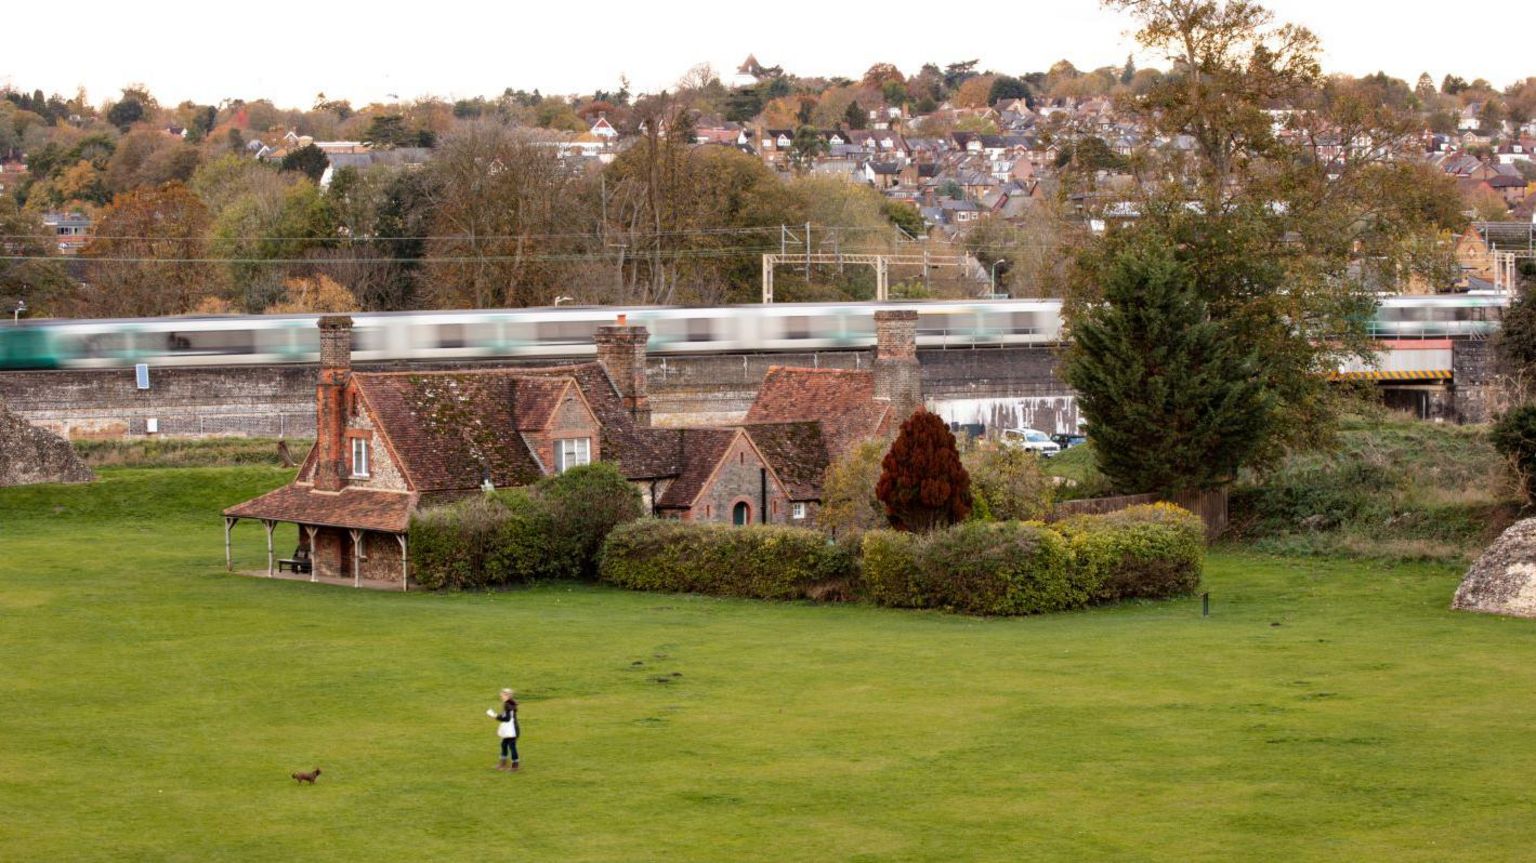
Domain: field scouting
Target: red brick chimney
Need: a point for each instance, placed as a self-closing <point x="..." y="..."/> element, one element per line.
<point x="898" y="377"/>
<point x="621" y="350"/>
<point x="330" y="408"/>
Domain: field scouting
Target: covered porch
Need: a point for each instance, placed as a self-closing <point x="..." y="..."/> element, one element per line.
<point x="354" y="537"/>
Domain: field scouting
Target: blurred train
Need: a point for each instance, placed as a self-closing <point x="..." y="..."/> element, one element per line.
<point x="567" y="332"/>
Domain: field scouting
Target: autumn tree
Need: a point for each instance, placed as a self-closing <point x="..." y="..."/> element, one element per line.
<point x="313" y="294"/>
<point x="1009" y="484"/>
<point x="501" y="218"/>
<point x="923" y="485"/>
<point x="1278" y="233"/>
<point x="30" y="269"/>
<point x="848" y="502"/>
<point x="148" y="255"/>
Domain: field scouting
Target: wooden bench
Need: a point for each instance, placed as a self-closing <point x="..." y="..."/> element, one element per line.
<point x="298" y="563"/>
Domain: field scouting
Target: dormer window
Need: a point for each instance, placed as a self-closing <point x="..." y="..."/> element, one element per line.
<point x="572" y="452"/>
<point x="360" y="457"/>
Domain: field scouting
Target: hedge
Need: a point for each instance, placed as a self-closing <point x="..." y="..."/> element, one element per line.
<point x="553" y="530"/>
<point x="976" y="568"/>
<point x="759" y="561"/>
<point x="1145" y="552"/>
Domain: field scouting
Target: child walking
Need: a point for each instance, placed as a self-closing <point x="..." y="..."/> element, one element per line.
<point x="507" y="730"/>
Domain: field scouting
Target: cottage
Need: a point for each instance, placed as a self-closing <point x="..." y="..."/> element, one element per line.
<point x="388" y="443"/>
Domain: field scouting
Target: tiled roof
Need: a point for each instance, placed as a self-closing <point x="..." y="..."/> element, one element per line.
<point x="797" y="454"/>
<point x="700" y="452"/>
<point x="534" y="401"/>
<point x="842" y="399"/>
<point x="450" y="429"/>
<point x="368" y="509"/>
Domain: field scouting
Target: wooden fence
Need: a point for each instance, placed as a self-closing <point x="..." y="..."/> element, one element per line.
<point x="1210" y="506"/>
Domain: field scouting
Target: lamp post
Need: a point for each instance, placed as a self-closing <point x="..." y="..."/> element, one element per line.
<point x="994" y="273"/>
<point x="21" y="306"/>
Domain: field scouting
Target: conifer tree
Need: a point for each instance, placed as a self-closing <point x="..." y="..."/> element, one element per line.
<point x="1173" y="400"/>
<point x="922" y="483"/>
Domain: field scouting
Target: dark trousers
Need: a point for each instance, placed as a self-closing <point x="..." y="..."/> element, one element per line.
<point x="509" y="748"/>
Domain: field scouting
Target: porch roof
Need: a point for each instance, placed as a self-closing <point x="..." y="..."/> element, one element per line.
<point x="367" y="509"/>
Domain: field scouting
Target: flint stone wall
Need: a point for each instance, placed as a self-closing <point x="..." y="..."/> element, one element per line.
<point x="1503" y="580"/>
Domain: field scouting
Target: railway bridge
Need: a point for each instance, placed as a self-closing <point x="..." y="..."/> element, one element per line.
<point x="999" y="387"/>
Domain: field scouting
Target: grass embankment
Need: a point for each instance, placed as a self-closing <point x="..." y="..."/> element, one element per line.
<point x="186" y="452"/>
<point x="1392" y="487"/>
<point x="155" y="707"/>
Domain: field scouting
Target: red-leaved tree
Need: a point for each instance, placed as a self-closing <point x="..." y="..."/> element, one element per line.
<point x="922" y="483"/>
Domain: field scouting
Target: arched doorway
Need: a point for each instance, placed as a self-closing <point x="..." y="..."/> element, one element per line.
<point x="741" y="514"/>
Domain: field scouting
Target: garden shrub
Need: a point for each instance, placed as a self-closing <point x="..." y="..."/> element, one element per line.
<point x="1142" y="552"/>
<point x="1008" y="484"/>
<point x="977" y="568"/>
<point x="761" y="561"/>
<point x="526" y="547"/>
<point x="451" y="545"/>
<point x="584" y="504"/>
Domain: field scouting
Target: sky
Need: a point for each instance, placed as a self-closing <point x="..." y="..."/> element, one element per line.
<point x="386" y="50"/>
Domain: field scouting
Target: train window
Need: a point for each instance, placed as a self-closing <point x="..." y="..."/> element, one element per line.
<point x="1024" y="323"/>
<point x="106" y="345"/>
<point x="566" y="332"/>
<point x="211" y="341"/>
<point x="933" y="324"/>
<point x="476" y="335"/>
<point x="701" y="329"/>
<point x="797" y="327"/>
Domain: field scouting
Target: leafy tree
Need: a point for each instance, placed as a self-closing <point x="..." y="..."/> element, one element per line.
<point x="1008" y="484"/>
<point x="388" y="130"/>
<point x="1453" y="85"/>
<point x="125" y="113"/>
<point x="1281" y="239"/>
<point x="922" y="484"/>
<point x="1006" y="87"/>
<point x="585" y="504"/>
<point x="1516" y="341"/>
<point x="848" y="502"/>
<point x="29" y="267"/>
<point x="808" y="144"/>
<point x="1174" y="400"/>
<point x="956" y="74"/>
<point x="1514" y="436"/>
<point x="308" y="160"/>
<point x="855" y="116"/>
<point x="904" y="215"/>
<point x="313" y="294"/>
<point x="146" y="256"/>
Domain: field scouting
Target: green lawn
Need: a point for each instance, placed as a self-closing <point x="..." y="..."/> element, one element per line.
<point x="152" y="708"/>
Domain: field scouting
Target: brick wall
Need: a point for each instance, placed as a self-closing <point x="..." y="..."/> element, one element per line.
<point x="280" y="400"/>
<point x="740" y="480"/>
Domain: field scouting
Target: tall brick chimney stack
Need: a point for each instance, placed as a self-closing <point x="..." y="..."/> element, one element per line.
<point x="330" y="411"/>
<point x="621" y="350"/>
<point x="898" y="377"/>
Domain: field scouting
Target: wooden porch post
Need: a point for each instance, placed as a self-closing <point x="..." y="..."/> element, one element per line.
<point x="314" y="559"/>
<point x="405" y="570"/>
<point x="229" y="560"/>
<point x="270" y="525"/>
<point x="357" y="556"/>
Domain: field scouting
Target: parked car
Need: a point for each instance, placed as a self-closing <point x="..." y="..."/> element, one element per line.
<point x="1067" y="440"/>
<point x="1033" y="440"/>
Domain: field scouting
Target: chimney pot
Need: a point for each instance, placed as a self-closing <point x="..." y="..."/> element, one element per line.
<point x="623" y="319"/>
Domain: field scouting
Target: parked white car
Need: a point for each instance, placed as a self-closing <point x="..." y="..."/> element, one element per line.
<point x="1033" y="440"/>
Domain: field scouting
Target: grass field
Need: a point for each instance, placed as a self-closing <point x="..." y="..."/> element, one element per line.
<point x="153" y="707"/>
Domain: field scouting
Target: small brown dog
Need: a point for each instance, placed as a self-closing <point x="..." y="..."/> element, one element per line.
<point x="306" y="777"/>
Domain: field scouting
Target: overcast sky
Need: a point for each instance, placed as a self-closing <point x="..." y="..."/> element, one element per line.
<point x="377" y="51"/>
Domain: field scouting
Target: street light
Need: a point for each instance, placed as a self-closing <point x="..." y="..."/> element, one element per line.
<point x="994" y="273"/>
<point x="21" y="306"/>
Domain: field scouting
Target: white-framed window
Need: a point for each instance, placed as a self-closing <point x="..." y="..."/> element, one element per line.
<point x="572" y="452"/>
<point x="797" y="510"/>
<point x="359" y="456"/>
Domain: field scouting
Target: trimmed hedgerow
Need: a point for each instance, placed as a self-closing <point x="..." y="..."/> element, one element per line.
<point x="1142" y="552"/>
<point x="998" y="568"/>
<point x="451" y="545"/>
<point x="584" y="504"/>
<point x="760" y="561"/>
